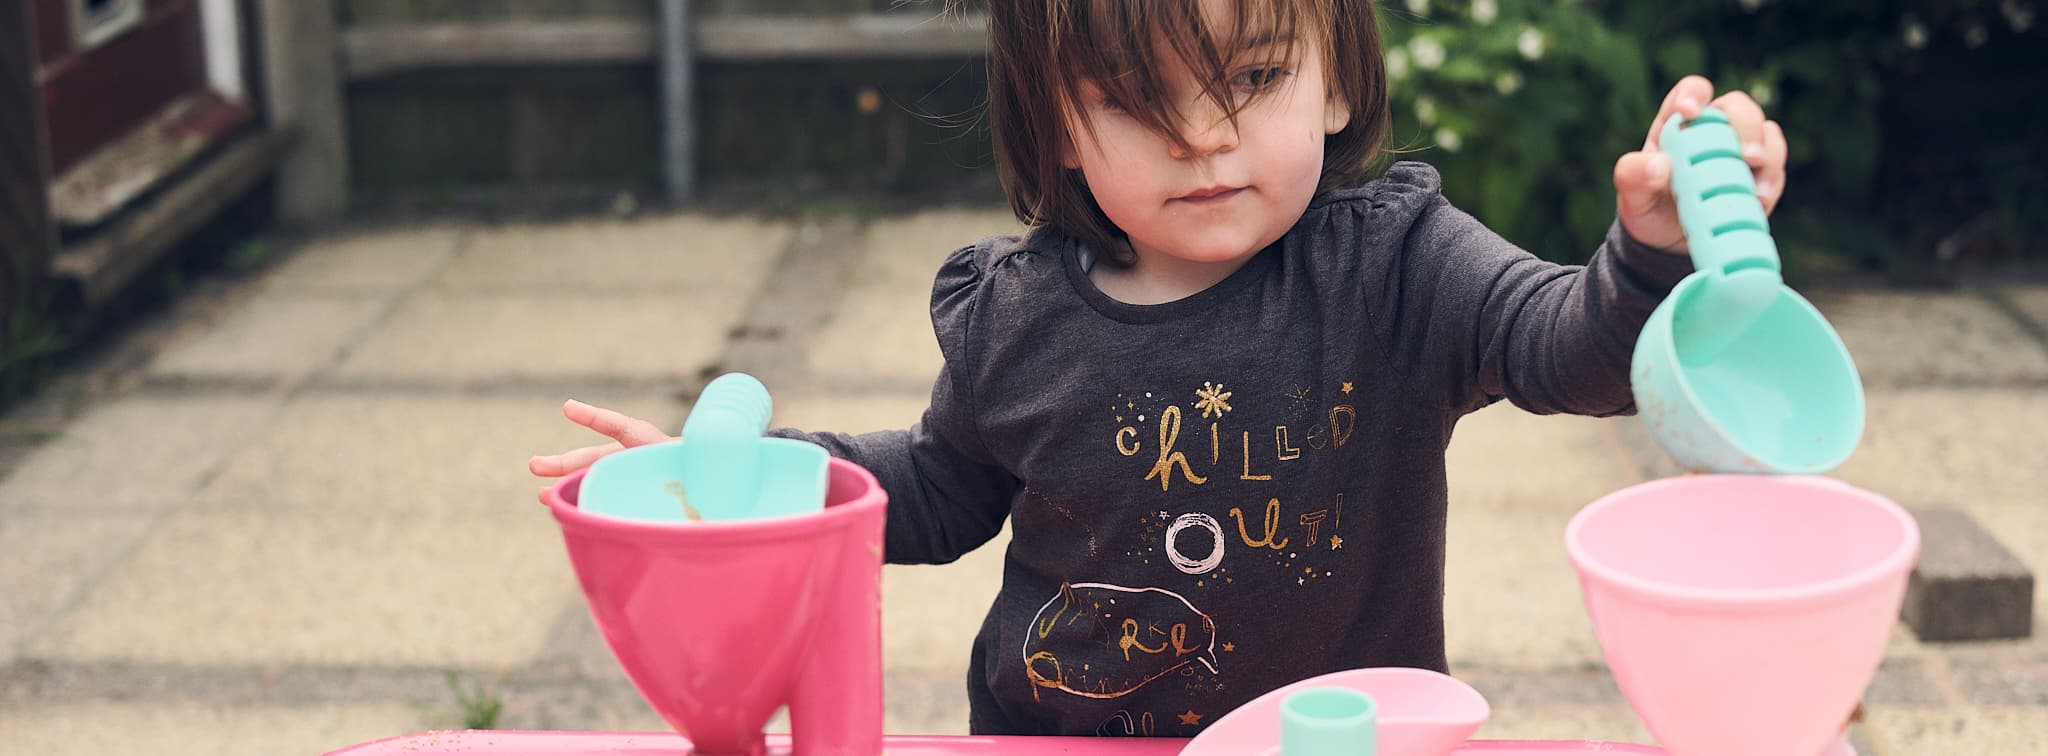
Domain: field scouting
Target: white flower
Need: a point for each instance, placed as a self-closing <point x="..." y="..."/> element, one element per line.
<point x="1397" y="63"/>
<point x="1763" y="94"/>
<point x="2020" y="16"/>
<point x="1914" y="34"/>
<point x="1427" y="51"/>
<point x="1507" y="83"/>
<point x="1448" y="140"/>
<point x="1425" y="111"/>
<point x="1485" y="11"/>
<point x="1975" y="36"/>
<point x="1750" y="6"/>
<point x="1418" y="7"/>
<point x="1530" y="43"/>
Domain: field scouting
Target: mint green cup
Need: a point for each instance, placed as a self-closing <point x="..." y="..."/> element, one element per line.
<point x="1328" y="721"/>
<point x="1734" y="372"/>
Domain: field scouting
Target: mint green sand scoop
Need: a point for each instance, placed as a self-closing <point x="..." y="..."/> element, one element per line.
<point x="723" y="469"/>
<point x="1735" y="372"/>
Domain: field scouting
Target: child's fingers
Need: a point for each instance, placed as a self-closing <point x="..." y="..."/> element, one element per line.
<point x="1748" y="119"/>
<point x="558" y="465"/>
<point x="1641" y="181"/>
<point x="629" y="431"/>
<point x="1687" y="98"/>
<point x="1770" y="178"/>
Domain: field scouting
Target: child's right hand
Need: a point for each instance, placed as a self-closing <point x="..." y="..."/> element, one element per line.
<point x="625" y="432"/>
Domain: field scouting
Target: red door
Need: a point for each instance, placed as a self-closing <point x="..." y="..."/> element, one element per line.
<point x="132" y="90"/>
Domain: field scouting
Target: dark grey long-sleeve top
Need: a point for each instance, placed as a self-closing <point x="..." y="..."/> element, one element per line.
<point x="1217" y="496"/>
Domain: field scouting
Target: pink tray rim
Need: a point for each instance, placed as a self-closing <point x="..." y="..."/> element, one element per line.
<point x="575" y="743"/>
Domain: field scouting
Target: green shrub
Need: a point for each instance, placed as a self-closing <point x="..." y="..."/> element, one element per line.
<point x="1905" y="119"/>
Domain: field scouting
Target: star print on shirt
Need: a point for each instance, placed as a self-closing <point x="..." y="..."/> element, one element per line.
<point x="1347" y="387"/>
<point x="1191" y="719"/>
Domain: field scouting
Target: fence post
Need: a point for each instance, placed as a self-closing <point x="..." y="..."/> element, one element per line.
<point x="678" y="126"/>
<point x="302" y="94"/>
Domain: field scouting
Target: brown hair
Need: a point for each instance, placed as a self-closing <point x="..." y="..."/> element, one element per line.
<point x="1040" y="52"/>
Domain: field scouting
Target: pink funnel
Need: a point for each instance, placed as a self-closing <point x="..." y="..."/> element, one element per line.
<point x="1743" y="614"/>
<point x="720" y="623"/>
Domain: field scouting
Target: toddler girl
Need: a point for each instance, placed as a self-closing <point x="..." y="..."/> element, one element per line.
<point x="1211" y="387"/>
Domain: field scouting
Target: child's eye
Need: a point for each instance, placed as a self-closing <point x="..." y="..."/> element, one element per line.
<point x="1110" y="105"/>
<point x="1260" y="79"/>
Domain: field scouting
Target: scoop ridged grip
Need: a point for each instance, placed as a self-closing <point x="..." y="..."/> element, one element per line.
<point x="735" y="405"/>
<point x="1715" y="192"/>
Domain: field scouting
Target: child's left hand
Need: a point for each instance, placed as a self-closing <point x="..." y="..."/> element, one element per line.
<point x="1642" y="179"/>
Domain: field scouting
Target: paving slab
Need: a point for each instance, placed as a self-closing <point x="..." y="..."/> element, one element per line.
<point x="372" y="261"/>
<point x="1511" y="599"/>
<point x="51" y="557"/>
<point x="1516" y="479"/>
<point x="1938" y="732"/>
<point x="401" y="455"/>
<point x="2030" y="300"/>
<point x="485" y="338"/>
<point x="925" y="704"/>
<point x="1904" y="338"/>
<point x="930" y="613"/>
<point x="1503" y="459"/>
<point x="1977" y="450"/>
<point x="678" y="255"/>
<point x="140" y="454"/>
<point x="2018" y="677"/>
<point x="175" y="729"/>
<point x="881" y="331"/>
<point x="607" y="703"/>
<point x="338" y="587"/>
<point x="275" y="335"/>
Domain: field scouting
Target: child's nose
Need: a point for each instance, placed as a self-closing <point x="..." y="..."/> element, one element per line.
<point x="1220" y="135"/>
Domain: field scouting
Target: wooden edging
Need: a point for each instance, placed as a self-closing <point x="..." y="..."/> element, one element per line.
<point x="381" y="50"/>
<point x="102" y="263"/>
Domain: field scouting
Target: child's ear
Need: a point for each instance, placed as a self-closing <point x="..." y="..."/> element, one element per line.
<point x="1336" y="115"/>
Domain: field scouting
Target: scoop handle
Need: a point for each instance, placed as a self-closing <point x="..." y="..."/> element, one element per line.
<point x="734" y="405"/>
<point x="722" y="447"/>
<point x="1724" y="222"/>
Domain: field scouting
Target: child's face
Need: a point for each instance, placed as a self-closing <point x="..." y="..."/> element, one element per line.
<point x="1238" y="189"/>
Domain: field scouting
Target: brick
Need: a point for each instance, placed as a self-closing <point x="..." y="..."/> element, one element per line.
<point x="1967" y="586"/>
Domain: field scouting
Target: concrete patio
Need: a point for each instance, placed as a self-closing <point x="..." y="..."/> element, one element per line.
<point x="272" y="520"/>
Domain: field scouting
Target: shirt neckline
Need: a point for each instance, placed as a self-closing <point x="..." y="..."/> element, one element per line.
<point x="1125" y="312"/>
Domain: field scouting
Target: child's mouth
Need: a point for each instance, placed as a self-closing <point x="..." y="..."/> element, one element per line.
<point x="1210" y="196"/>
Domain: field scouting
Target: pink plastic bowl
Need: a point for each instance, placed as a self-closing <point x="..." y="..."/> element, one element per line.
<point x="1743" y="614"/>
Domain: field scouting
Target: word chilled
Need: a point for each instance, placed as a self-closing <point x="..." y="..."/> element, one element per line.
<point x="1171" y="460"/>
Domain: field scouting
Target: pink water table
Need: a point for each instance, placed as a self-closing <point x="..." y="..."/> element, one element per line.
<point x="507" y="743"/>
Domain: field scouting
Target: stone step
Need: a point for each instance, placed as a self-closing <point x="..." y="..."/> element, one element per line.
<point x="1967" y="586"/>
